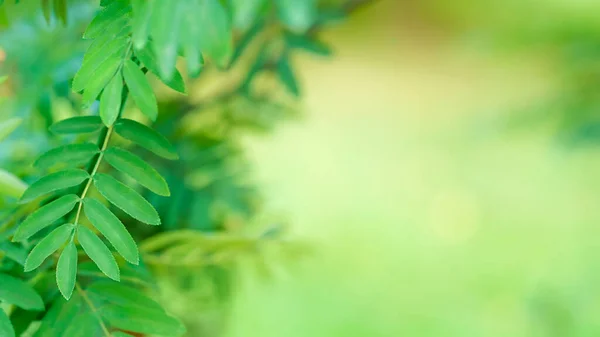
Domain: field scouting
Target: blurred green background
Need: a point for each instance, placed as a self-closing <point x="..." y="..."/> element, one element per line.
<point x="447" y="168"/>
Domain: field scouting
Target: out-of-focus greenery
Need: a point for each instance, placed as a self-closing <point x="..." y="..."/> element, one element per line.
<point x="434" y="217"/>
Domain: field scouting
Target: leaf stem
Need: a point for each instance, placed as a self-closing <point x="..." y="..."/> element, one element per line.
<point x="93" y="173"/>
<point x="93" y="308"/>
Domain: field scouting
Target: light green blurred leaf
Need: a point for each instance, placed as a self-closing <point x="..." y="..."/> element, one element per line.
<point x="19" y="293"/>
<point x="10" y="185"/>
<point x="9" y="126"/>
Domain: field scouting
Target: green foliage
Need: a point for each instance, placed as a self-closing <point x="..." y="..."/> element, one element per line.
<point x="72" y="230"/>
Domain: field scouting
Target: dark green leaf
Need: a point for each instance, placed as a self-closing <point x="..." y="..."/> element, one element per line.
<point x="54" y="182"/>
<point x="19" y="293"/>
<point x="81" y="124"/>
<point x="110" y="101"/>
<point x="71" y="155"/>
<point x="6" y="329"/>
<point x="146" y="55"/>
<point x="120" y="294"/>
<point x="140" y="89"/>
<point x="45" y="216"/>
<point x="47" y="246"/>
<point x="113" y="230"/>
<point x="146" y="138"/>
<point x="308" y="44"/>
<point x="98" y="252"/>
<point x="138" y="169"/>
<point x="47" y="10"/>
<point x="130" y="201"/>
<point x="143" y="321"/>
<point x="66" y="270"/>
<point x="287" y="77"/>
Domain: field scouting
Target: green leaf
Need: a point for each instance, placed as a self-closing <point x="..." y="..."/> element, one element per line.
<point x="71" y="155"/>
<point x="117" y="10"/>
<point x="287" y="77"/>
<point x="297" y="15"/>
<point x="60" y="9"/>
<point x="10" y="185"/>
<point x="146" y="55"/>
<point x="47" y="246"/>
<point x="98" y="252"/>
<point x="9" y="126"/>
<point x="165" y="26"/>
<point x="112" y="228"/>
<point x="140" y="89"/>
<point x="14" y="252"/>
<point x="190" y="38"/>
<point x="142" y="11"/>
<point x="120" y="334"/>
<point x="101" y="63"/>
<point x="110" y="101"/>
<point x="143" y="321"/>
<point x="19" y="293"/>
<point x="130" y="201"/>
<point x="245" y="12"/>
<point x="117" y="293"/>
<point x="308" y="44"/>
<point x="47" y="10"/>
<point x="80" y="124"/>
<point x="66" y="270"/>
<point x="216" y="36"/>
<point x="146" y="138"/>
<point x="6" y="328"/>
<point x="138" y="169"/>
<point x="54" y="182"/>
<point x="45" y="216"/>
